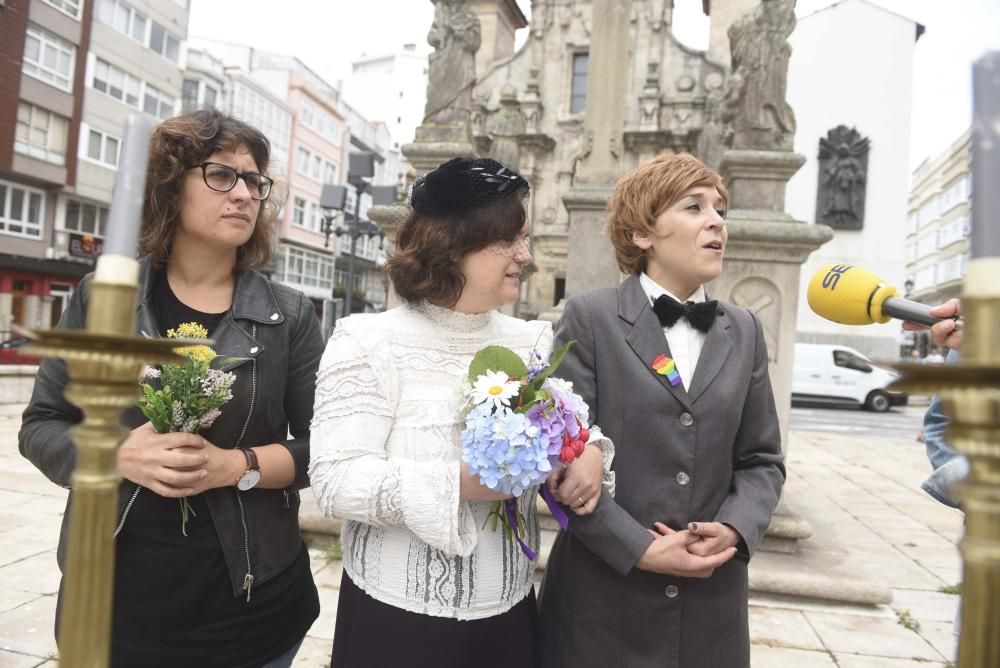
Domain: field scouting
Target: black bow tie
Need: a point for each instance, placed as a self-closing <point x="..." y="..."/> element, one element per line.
<point x="701" y="316"/>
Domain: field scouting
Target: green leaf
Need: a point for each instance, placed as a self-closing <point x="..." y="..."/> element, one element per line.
<point x="528" y="398"/>
<point x="557" y="359"/>
<point x="497" y="358"/>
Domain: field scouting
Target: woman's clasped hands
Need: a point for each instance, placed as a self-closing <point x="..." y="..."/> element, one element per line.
<point x="694" y="552"/>
<point x="177" y="464"/>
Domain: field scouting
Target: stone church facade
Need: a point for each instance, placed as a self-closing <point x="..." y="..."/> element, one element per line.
<point x="530" y="108"/>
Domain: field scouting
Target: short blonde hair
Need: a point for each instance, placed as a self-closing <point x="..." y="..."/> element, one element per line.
<point x="647" y="191"/>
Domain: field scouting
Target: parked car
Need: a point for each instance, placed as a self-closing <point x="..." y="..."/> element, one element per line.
<point x="10" y="352"/>
<point x="841" y="375"/>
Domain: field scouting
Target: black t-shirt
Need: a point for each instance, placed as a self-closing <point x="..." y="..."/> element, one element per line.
<point x="174" y="605"/>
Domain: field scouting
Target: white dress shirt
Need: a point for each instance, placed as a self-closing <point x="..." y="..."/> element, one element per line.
<point x="684" y="340"/>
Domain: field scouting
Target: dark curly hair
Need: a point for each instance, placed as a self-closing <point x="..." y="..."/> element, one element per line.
<point x="424" y="265"/>
<point x="176" y="145"/>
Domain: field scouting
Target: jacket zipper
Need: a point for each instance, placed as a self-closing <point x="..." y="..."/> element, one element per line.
<point x="128" y="507"/>
<point x="248" y="578"/>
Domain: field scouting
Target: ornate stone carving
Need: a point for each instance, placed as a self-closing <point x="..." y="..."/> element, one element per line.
<point x="455" y="36"/>
<point x="531" y="104"/>
<point x="649" y="101"/>
<point x="763" y="298"/>
<point x="504" y="127"/>
<point x="843" y="168"/>
<point x="754" y="109"/>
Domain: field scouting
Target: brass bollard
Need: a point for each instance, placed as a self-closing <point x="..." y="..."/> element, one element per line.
<point x="103" y="362"/>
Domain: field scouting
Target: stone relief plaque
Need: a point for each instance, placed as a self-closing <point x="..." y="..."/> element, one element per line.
<point x="763" y="298"/>
<point x="843" y="170"/>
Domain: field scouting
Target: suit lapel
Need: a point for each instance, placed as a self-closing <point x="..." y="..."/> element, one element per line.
<point x="718" y="345"/>
<point x="646" y="336"/>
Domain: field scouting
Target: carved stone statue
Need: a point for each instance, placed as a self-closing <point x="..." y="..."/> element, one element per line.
<point x="505" y="127"/>
<point x="754" y="109"/>
<point x="455" y="36"/>
<point x="843" y="166"/>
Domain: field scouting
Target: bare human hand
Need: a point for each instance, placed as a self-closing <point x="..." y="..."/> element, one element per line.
<point x="669" y="554"/>
<point x="471" y="488"/>
<point x="945" y="333"/>
<point x="716" y="538"/>
<point x="170" y="465"/>
<point x="223" y="467"/>
<point x="579" y="484"/>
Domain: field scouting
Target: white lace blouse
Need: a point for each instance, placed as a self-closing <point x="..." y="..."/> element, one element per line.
<point x="386" y="457"/>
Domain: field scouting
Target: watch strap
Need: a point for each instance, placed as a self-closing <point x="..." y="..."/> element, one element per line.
<point x="252" y="463"/>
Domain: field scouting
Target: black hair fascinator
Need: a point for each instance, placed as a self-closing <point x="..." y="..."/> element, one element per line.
<point x="462" y="184"/>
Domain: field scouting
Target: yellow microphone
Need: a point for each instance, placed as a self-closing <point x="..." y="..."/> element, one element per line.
<point x="854" y="296"/>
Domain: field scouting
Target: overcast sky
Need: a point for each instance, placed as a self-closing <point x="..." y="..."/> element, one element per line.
<point x="328" y="35"/>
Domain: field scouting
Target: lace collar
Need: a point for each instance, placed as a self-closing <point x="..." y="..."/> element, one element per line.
<point x="453" y="320"/>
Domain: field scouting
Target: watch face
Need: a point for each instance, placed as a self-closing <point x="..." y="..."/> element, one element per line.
<point x="249" y="480"/>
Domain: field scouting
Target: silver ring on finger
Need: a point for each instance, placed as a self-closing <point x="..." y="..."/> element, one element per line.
<point x="582" y="501"/>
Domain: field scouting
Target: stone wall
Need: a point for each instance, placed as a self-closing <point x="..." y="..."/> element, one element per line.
<point x="16" y="382"/>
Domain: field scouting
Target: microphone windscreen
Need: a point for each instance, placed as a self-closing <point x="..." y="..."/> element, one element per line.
<point x="849" y="295"/>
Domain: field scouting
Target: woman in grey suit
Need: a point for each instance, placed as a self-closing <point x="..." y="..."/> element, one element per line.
<point x="657" y="574"/>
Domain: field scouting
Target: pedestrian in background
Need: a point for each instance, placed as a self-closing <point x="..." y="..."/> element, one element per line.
<point x="949" y="466"/>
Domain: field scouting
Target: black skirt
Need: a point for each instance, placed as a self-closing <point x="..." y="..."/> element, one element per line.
<point x="372" y="634"/>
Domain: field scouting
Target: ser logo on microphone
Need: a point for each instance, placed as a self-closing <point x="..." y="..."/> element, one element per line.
<point x="834" y="274"/>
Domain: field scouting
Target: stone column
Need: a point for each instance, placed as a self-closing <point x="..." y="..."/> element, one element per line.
<point x="389" y="218"/>
<point x="764" y="256"/>
<point x="593" y="261"/>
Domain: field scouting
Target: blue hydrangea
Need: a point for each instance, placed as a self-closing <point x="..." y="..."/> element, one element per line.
<point x="504" y="449"/>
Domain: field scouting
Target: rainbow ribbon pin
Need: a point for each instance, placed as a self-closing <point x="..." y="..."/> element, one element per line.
<point x="665" y="366"/>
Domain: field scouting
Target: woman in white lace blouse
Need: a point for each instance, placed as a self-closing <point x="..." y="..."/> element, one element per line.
<point x="425" y="582"/>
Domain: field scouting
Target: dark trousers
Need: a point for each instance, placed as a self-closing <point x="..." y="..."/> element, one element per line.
<point x="372" y="634"/>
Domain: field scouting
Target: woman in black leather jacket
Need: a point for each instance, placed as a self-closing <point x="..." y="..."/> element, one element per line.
<point x="237" y="590"/>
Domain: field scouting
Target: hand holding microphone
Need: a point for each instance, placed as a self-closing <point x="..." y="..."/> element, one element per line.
<point x="854" y="296"/>
<point x="947" y="332"/>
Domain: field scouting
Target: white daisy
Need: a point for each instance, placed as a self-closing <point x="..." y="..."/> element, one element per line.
<point x="494" y="387"/>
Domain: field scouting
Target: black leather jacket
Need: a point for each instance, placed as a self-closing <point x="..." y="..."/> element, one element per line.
<point x="276" y="330"/>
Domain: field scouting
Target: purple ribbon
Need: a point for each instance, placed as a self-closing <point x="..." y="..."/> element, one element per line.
<point x="557" y="511"/>
<point x="510" y="507"/>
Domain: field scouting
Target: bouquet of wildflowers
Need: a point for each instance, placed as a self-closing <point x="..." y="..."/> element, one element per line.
<point x="521" y="425"/>
<point x="188" y="395"/>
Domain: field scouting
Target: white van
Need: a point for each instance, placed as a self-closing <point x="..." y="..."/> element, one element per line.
<point x="838" y="374"/>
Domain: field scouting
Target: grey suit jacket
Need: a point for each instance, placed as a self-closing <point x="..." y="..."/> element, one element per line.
<point x="711" y="454"/>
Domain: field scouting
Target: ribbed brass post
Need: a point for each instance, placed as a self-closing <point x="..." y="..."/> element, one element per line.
<point x="103" y="363"/>
<point x="970" y="393"/>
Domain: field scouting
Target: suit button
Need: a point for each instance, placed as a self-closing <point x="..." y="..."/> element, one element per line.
<point x="671" y="591"/>
<point x="687" y="419"/>
<point x="683" y="478"/>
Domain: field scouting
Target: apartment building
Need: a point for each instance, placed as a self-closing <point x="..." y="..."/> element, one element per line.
<point x="324" y="131"/>
<point x="937" y="238"/>
<point x="42" y="71"/>
<point x="79" y="69"/>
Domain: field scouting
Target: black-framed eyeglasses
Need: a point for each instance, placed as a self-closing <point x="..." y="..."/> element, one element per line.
<point x="222" y="178"/>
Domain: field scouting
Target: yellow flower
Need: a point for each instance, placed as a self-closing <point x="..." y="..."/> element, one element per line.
<point x="188" y="330"/>
<point x="197" y="353"/>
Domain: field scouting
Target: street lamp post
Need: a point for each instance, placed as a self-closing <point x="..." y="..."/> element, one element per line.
<point x="334" y="197"/>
